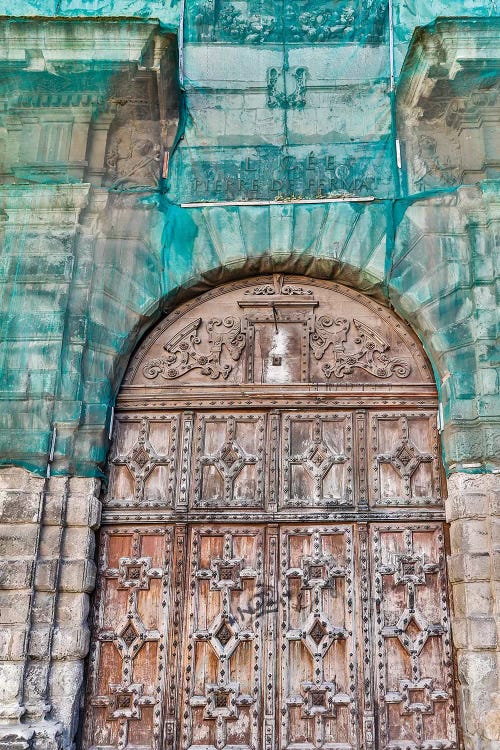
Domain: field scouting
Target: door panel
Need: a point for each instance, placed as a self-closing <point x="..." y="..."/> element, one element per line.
<point x="405" y="459"/>
<point x="144" y="462"/>
<point x="222" y="697"/>
<point x="127" y="661"/>
<point x="318" y="675"/>
<point x="229" y="461"/>
<point x="414" y="659"/>
<point x="317" y="460"/>
<point x="284" y="632"/>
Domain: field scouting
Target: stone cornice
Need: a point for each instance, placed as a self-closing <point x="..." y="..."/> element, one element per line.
<point x="43" y="204"/>
<point x="445" y="49"/>
<point x="37" y="46"/>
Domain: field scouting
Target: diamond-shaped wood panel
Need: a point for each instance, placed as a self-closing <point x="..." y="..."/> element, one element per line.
<point x="229" y="460"/>
<point x="144" y="463"/>
<point x="317" y="460"/>
<point x="318" y="669"/>
<point x="405" y="461"/>
<point x="222" y="704"/>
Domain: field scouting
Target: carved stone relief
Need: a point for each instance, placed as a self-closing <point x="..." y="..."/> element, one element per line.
<point x="277" y="96"/>
<point x="251" y="22"/>
<point x="279" y="331"/>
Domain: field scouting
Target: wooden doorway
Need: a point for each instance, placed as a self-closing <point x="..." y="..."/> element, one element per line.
<point x="272" y="565"/>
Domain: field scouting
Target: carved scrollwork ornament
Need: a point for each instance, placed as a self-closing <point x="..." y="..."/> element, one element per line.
<point x="184" y="354"/>
<point x="367" y="350"/>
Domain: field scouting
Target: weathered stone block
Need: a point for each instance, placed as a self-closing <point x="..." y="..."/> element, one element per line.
<point x="50" y="540"/>
<point x="71" y="643"/>
<point x="18" y="479"/>
<point x="77" y="575"/>
<point x="483" y="632"/>
<point x="467" y="505"/>
<point x="479" y="600"/>
<point x="460" y="632"/>
<point x="490" y="722"/>
<point x="83" y="510"/>
<point x="46" y="574"/>
<point x="495" y="565"/>
<point x="18" y="540"/>
<point x="79" y="541"/>
<point x="12" y="643"/>
<point x="11" y="676"/>
<point x="14" y="607"/>
<point x="72" y="608"/>
<point x="15" y="574"/>
<point x="470" y="536"/>
<point x="42" y="608"/>
<point x="35" y="687"/>
<point x="39" y="643"/>
<point x="469" y="567"/>
<point x="19" y="507"/>
<point x="53" y="509"/>
<point x="66" y="680"/>
<point x="478" y="671"/>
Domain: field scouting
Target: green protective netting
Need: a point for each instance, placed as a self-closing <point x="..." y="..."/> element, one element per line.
<point x="285" y="99"/>
<point x="281" y="101"/>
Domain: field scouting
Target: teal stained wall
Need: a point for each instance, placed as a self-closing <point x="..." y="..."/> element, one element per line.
<point x="294" y="106"/>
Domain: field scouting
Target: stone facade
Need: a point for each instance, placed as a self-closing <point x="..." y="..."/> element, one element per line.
<point x="147" y="159"/>
<point x="47" y="574"/>
<point x="472" y="511"/>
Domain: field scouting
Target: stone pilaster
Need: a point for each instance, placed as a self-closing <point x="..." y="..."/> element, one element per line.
<point x="46" y="574"/>
<point x="473" y="511"/>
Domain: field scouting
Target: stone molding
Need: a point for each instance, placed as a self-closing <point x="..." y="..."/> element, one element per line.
<point x="37" y="45"/>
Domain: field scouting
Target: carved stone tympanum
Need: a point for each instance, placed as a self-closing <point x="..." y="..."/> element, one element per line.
<point x="280" y="330"/>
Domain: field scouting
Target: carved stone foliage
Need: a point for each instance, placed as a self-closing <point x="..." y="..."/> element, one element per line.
<point x="317" y="460"/>
<point x="188" y="351"/>
<point x="319" y="673"/>
<point x="229" y="461"/>
<point x="127" y="659"/>
<point x="404" y="459"/>
<point x="310" y="21"/>
<point x="277" y="96"/>
<point x="222" y="703"/>
<point x="280" y="330"/>
<point x="416" y="697"/>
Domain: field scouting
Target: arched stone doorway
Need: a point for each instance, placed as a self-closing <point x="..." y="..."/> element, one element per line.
<point x="272" y="564"/>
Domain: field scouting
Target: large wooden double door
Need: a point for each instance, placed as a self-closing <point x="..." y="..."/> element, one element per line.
<point x="272" y="558"/>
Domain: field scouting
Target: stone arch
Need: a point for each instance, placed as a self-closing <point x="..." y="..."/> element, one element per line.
<point x="267" y="410"/>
